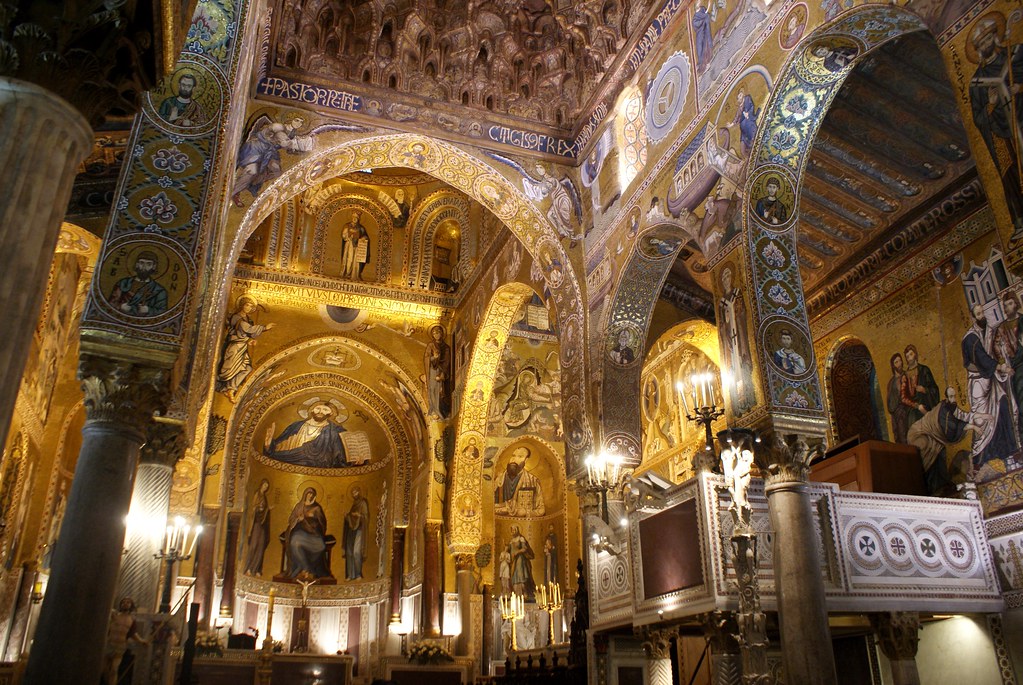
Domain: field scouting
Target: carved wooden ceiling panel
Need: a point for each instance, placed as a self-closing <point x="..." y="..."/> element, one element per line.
<point x="535" y="60"/>
<point x="891" y="145"/>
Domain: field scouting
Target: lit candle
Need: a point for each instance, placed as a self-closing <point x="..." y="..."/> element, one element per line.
<point x="270" y="615"/>
<point x="682" y="393"/>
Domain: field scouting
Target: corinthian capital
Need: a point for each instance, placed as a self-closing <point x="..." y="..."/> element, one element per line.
<point x="165" y="443"/>
<point x="122" y="392"/>
<point x="786" y="458"/>
<point x="657" y="642"/>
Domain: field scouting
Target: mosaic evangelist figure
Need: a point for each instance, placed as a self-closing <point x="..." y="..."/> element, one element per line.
<point x="235" y="360"/>
<point x="314" y="441"/>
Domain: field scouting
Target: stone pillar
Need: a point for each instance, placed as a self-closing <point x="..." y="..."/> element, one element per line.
<point x="721" y="629"/>
<point x="44" y="141"/>
<point x="432" y="580"/>
<point x="234" y="520"/>
<point x="898" y="634"/>
<point x="150" y="502"/>
<point x="463" y="582"/>
<point x="657" y="645"/>
<point x="799" y="583"/>
<point x="203" y="563"/>
<point x="120" y="398"/>
<point x="397" y="572"/>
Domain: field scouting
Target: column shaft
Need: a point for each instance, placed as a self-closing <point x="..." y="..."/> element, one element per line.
<point x="230" y="555"/>
<point x="432" y="580"/>
<point x="397" y="571"/>
<point x="44" y="140"/>
<point x="805" y="637"/>
<point x="150" y="501"/>
<point x="204" y="562"/>
<point x="463" y="582"/>
<point x="72" y="628"/>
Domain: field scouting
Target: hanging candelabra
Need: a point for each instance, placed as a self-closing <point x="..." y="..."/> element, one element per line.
<point x="548" y="598"/>
<point x="705" y="411"/>
<point x="178" y="544"/>
<point x="513" y="608"/>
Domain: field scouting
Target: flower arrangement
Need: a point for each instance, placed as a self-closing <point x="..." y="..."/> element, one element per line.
<point x="208" y="644"/>
<point x="429" y="653"/>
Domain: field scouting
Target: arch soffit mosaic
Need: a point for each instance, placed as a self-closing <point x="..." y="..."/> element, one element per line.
<point x="465" y="523"/>
<point x="781" y="150"/>
<point x="632" y="298"/>
<point x="476" y="179"/>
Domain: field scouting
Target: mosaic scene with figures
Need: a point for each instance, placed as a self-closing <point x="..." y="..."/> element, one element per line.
<point x="589" y="342"/>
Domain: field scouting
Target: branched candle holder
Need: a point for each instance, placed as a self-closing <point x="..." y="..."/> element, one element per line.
<point x="513" y="608"/>
<point x="603" y="474"/>
<point x="705" y="411"/>
<point x="548" y="598"/>
<point x="178" y="545"/>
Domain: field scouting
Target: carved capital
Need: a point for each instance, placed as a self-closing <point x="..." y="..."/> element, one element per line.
<point x="786" y="458"/>
<point x="657" y="641"/>
<point x="122" y="392"/>
<point x="898" y="633"/>
<point x="165" y="443"/>
<point x="464" y="562"/>
<point x="720" y="627"/>
<point x="433" y="529"/>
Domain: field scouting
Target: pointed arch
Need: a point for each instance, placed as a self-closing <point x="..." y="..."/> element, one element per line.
<point x="632" y="303"/>
<point x="805" y="89"/>
<point x="491" y="189"/>
<point x="465" y="510"/>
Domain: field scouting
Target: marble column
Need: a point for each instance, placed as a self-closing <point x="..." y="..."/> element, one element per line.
<point x="657" y="645"/>
<point x="432" y="580"/>
<point x="721" y="630"/>
<point x="799" y="584"/>
<point x="464" y="564"/>
<point x="203" y="564"/>
<point x="150" y="502"/>
<point x="234" y="521"/>
<point x="397" y="572"/>
<point x="120" y="398"/>
<point x="44" y="140"/>
<point x="898" y="634"/>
